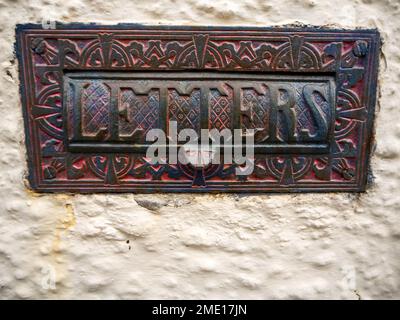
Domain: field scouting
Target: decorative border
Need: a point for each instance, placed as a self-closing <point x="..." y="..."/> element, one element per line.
<point x="351" y="56"/>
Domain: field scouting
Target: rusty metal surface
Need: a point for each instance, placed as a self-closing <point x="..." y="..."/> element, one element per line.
<point x="91" y="93"/>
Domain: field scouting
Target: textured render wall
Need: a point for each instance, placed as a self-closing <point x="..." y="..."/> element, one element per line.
<point x="202" y="246"/>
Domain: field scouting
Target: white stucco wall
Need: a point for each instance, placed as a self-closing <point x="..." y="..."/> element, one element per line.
<point x="202" y="246"/>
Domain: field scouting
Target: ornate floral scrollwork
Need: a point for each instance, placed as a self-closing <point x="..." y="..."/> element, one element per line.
<point x="346" y="58"/>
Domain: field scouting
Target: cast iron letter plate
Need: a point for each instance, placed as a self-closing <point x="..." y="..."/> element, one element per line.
<point x="92" y="95"/>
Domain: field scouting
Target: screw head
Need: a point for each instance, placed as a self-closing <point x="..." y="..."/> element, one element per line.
<point x="360" y="48"/>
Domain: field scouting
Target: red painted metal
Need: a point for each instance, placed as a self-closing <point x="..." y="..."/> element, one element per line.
<point x="90" y="94"/>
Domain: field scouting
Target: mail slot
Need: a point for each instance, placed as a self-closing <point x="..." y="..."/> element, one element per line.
<point x="112" y="112"/>
<point x="132" y="108"/>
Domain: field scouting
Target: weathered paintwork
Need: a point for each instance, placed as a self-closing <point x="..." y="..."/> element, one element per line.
<point x="90" y="93"/>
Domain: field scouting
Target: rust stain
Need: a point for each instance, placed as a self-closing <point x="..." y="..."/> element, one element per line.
<point x="65" y="223"/>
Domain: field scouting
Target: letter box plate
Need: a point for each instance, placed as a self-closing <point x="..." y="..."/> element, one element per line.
<point x="119" y="108"/>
